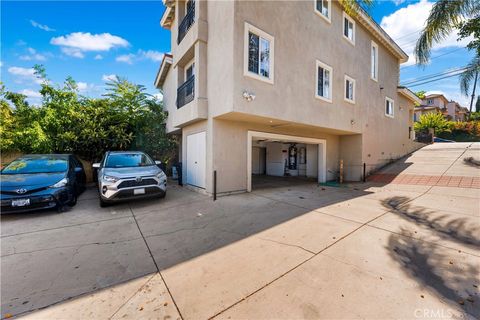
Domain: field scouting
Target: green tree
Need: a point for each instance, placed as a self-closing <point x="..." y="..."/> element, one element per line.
<point x="420" y="94"/>
<point x="444" y="18"/>
<point x="67" y="122"/>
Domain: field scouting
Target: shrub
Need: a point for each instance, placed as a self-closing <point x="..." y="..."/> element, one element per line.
<point x="431" y="120"/>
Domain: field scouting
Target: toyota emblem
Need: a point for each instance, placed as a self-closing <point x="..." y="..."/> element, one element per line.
<point x="138" y="179"/>
<point x="21" y="191"/>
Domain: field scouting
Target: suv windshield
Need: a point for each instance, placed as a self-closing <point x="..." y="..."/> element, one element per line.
<point x="38" y="164"/>
<point x="122" y="160"/>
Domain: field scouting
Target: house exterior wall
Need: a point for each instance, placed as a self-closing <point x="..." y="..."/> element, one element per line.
<point x="355" y="133"/>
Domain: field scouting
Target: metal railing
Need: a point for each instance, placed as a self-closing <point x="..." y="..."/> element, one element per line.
<point x="186" y="92"/>
<point x="187" y="22"/>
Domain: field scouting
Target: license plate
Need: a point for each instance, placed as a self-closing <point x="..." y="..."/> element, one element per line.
<point x="20" y="202"/>
<point x="139" y="191"/>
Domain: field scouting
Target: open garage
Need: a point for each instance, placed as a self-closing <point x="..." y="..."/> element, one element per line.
<point x="294" y="158"/>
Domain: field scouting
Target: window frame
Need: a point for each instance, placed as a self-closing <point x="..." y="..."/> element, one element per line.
<point x="347" y="77"/>
<point x="350" y="19"/>
<point x="327" y="19"/>
<point x="393" y="107"/>
<point x="261" y="34"/>
<point x="191" y="63"/>
<point x="330" y="69"/>
<point x="375" y="75"/>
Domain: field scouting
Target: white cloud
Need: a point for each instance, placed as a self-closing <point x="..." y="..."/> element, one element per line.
<point x="405" y="25"/>
<point x="398" y="2"/>
<point x="33" y="55"/>
<point x="19" y="71"/>
<point x="44" y="27"/>
<point x="31" y="93"/>
<point x="24" y="74"/>
<point x="155" y="56"/>
<point x="98" y="57"/>
<point x="109" y="77"/>
<point x="158" y="96"/>
<point x="82" y="86"/>
<point x="126" y="58"/>
<point x="73" y="52"/>
<point x="76" y="43"/>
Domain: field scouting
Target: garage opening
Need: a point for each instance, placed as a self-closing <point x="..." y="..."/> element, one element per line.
<point x="278" y="160"/>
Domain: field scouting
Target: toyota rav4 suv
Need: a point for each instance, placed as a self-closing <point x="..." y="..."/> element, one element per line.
<point x="124" y="175"/>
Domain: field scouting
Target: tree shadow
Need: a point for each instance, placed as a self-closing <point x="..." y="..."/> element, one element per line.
<point x="441" y="272"/>
<point x="458" y="229"/>
<point x="431" y="266"/>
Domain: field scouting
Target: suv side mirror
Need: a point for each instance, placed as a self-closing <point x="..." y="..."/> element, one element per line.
<point x="157" y="162"/>
<point x="96" y="165"/>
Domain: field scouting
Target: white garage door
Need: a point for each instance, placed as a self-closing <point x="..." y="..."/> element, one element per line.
<point x="196" y="153"/>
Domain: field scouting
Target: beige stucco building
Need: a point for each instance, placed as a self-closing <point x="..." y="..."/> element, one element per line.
<point x="435" y="103"/>
<point x="281" y="88"/>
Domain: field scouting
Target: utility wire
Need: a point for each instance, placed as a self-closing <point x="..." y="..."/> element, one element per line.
<point x="426" y="77"/>
<point x="434" y="57"/>
<point x="433" y="80"/>
<point x="408" y="34"/>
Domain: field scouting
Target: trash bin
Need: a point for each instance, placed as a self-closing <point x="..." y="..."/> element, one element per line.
<point x="179" y="173"/>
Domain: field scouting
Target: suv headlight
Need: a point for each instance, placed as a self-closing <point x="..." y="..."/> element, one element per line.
<point x="161" y="175"/>
<point x="111" y="179"/>
<point x="61" y="183"/>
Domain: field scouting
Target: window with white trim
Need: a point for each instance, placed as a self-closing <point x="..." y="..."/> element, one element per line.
<point x="374" y="62"/>
<point x="389" y="107"/>
<point x="322" y="8"/>
<point x="348" y="28"/>
<point x="349" y="89"/>
<point x="324" y="82"/>
<point x="258" y="54"/>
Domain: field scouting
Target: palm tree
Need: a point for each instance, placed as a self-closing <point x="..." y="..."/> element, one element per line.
<point x="444" y="18"/>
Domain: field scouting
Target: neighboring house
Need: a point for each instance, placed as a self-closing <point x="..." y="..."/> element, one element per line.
<point x="455" y="112"/>
<point x="439" y="103"/>
<point x="296" y="87"/>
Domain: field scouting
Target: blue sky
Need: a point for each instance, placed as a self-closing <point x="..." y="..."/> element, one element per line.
<point x="92" y="40"/>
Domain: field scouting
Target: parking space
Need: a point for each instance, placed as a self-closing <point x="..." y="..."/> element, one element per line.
<point x="370" y="250"/>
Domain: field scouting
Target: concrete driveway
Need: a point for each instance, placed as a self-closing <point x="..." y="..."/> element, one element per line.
<point x="376" y="250"/>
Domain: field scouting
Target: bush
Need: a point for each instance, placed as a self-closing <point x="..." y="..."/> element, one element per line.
<point x="125" y="118"/>
<point x="431" y="120"/>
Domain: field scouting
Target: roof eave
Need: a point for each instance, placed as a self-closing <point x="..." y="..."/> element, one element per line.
<point x="407" y="93"/>
<point x="163" y="71"/>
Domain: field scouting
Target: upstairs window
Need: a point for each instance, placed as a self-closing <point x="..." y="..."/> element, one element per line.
<point x="389" y="107"/>
<point x="374" y="62"/>
<point x="322" y="8"/>
<point x="348" y="28"/>
<point x="258" y="54"/>
<point x="324" y="82"/>
<point x="349" y="89"/>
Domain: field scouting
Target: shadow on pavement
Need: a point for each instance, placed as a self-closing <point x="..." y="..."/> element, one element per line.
<point x="451" y="274"/>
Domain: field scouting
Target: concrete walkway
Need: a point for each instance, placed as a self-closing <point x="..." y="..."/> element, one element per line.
<point x="372" y="250"/>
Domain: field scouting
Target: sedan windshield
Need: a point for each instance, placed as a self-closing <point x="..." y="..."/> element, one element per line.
<point x="39" y="164"/>
<point x="122" y="160"/>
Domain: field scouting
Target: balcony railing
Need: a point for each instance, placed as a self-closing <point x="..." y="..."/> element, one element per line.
<point x="187" y="22"/>
<point x="186" y="92"/>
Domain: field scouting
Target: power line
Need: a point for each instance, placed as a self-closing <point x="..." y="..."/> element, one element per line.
<point x="429" y="81"/>
<point x="428" y="76"/>
<point x="408" y="34"/>
<point x="434" y="57"/>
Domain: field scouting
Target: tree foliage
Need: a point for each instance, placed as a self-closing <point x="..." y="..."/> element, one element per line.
<point x="434" y="120"/>
<point x="66" y="122"/>
<point x="446" y="16"/>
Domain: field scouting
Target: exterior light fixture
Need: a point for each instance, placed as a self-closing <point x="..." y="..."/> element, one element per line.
<point x="248" y="96"/>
